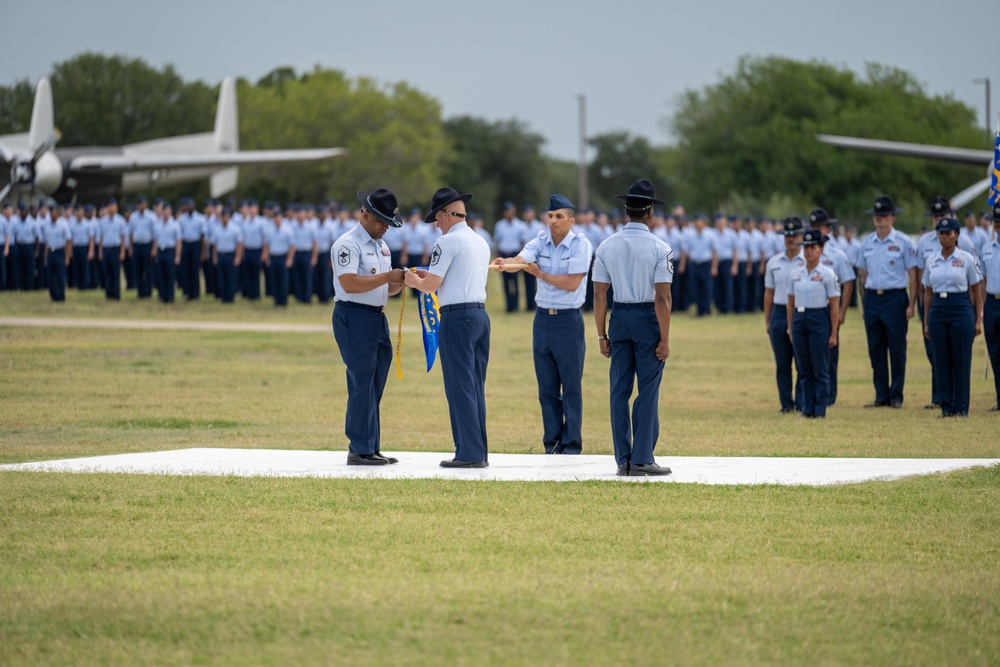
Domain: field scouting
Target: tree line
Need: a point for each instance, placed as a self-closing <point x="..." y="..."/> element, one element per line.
<point x="744" y="144"/>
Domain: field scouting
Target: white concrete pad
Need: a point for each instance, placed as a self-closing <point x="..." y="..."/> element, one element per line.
<point x="506" y="467"/>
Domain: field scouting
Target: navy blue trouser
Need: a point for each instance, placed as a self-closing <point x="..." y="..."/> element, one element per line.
<point x="991" y="332"/>
<point x="190" y="258"/>
<point x="128" y="268"/>
<point x="142" y="254"/>
<point x="363" y="339"/>
<point x="701" y="283"/>
<point x="81" y="274"/>
<point x="302" y="276"/>
<point x="111" y="267"/>
<point x="811" y="340"/>
<point x="465" y="352"/>
<point x="510" y="291"/>
<point x="559" y="350"/>
<point x="530" y="288"/>
<point x="24" y="265"/>
<point x="211" y="276"/>
<point x="678" y="291"/>
<point x="758" y="286"/>
<point x="952" y="327"/>
<point x="56" y="269"/>
<point x="279" y="279"/>
<point x="929" y="351"/>
<point x="226" y="285"/>
<point x="250" y="272"/>
<point x="96" y="279"/>
<point x="740" y="288"/>
<point x="634" y="333"/>
<point x="834" y="366"/>
<point x="323" y="278"/>
<point x="724" y="287"/>
<point x="784" y="357"/>
<point x="166" y="274"/>
<point x="886" y="327"/>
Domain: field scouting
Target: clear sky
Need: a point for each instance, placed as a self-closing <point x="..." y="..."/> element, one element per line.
<point x="524" y="59"/>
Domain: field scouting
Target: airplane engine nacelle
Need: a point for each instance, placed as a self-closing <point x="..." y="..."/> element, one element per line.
<point x="48" y="173"/>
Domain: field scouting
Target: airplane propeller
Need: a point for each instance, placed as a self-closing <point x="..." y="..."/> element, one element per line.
<point x="30" y="170"/>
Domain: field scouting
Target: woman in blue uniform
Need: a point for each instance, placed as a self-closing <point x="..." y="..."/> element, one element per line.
<point x="953" y="317"/>
<point x="813" y="322"/>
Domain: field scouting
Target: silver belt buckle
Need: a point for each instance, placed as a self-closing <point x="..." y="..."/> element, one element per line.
<point x="943" y="295"/>
<point x="801" y="309"/>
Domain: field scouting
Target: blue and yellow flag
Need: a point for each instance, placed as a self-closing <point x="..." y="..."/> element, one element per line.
<point x="429" y="322"/>
<point x="994" y="196"/>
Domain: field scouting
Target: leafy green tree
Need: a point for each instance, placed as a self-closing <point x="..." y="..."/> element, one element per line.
<point x="496" y="161"/>
<point x="394" y="134"/>
<point x="620" y="159"/>
<point x="752" y="136"/>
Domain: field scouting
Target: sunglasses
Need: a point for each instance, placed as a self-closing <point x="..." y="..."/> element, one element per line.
<point x="454" y="214"/>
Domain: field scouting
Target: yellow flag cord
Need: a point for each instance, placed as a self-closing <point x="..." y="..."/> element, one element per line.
<point x="399" y="335"/>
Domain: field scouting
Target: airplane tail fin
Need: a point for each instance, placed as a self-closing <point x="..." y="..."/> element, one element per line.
<point x="226" y="137"/>
<point x="42" y="131"/>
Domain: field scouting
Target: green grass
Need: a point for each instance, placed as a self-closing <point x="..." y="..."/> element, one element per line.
<point x="98" y="569"/>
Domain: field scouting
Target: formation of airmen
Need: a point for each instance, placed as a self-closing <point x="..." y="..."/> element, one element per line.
<point x="226" y="247"/>
<point x="731" y="262"/>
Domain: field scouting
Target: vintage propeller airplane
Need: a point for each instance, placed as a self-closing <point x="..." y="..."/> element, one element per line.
<point x="940" y="153"/>
<point x="93" y="174"/>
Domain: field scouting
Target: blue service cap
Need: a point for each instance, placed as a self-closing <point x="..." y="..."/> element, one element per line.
<point x="947" y="225"/>
<point x="508" y="205"/>
<point x="718" y="214"/>
<point x="141" y="199"/>
<point x="207" y="202"/>
<point x="557" y="202"/>
<point x="700" y="216"/>
<point x="227" y="210"/>
<point x="158" y="200"/>
<point x="528" y="207"/>
<point x="89" y="208"/>
<point x="734" y="218"/>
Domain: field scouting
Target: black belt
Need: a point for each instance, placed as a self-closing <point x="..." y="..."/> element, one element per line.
<point x="469" y="305"/>
<point x="633" y="306"/>
<point x="556" y="311"/>
<point x="945" y="295"/>
<point x="803" y="309"/>
<point x="362" y="306"/>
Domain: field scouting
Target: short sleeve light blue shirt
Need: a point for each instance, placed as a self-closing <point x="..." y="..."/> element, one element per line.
<point x="461" y="257"/>
<point x="357" y="253"/>
<point x="951" y="274"/>
<point x="633" y="261"/>
<point x="778" y="275"/>
<point x="887" y="260"/>
<point x="571" y="256"/>
<point x="813" y="289"/>
<point x="991" y="266"/>
<point x="56" y="234"/>
<point x="278" y="238"/>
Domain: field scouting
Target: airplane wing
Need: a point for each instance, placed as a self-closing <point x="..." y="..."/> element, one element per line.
<point x="118" y="164"/>
<point x="940" y="153"/>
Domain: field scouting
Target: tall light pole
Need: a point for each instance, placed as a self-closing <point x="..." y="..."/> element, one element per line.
<point x="986" y="80"/>
<point x="582" y="166"/>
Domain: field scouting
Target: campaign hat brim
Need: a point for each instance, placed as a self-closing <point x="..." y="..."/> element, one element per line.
<point x="648" y="200"/>
<point x="392" y="221"/>
<point x="467" y="197"/>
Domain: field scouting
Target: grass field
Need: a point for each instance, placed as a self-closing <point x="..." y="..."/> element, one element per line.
<point x="147" y="569"/>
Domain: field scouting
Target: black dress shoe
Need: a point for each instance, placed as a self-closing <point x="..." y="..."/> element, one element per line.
<point x="995" y="408"/>
<point x="932" y="406"/>
<point x="623" y="470"/>
<point x="786" y="411"/>
<point x="458" y="463"/>
<point x="877" y="404"/>
<point x="354" y="459"/>
<point x="896" y="405"/>
<point x="647" y="470"/>
<point x="389" y="459"/>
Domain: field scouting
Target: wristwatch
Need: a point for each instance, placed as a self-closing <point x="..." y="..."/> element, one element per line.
<point x="602" y="337"/>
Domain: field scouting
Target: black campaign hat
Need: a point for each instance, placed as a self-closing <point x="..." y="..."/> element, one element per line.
<point x="812" y="237"/>
<point x="940" y="206"/>
<point x="996" y="213"/>
<point x="819" y="216"/>
<point x="442" y="198"/>
<point x="640" y="195"/>
<point x="792" y="225"/>
<point x="382" y="204"/>
<point x="883" y="206"/>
